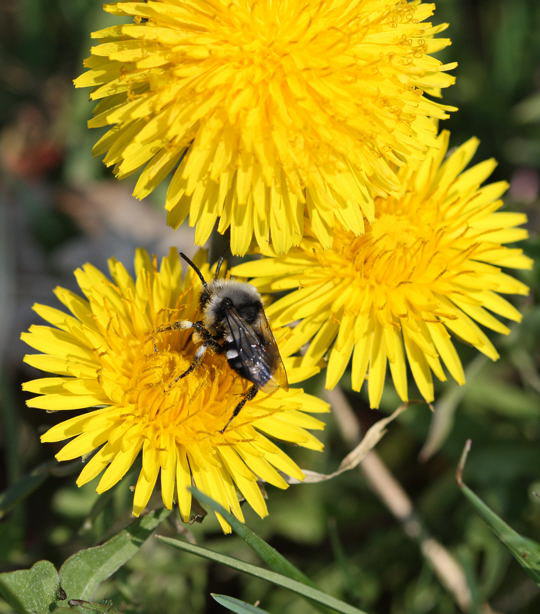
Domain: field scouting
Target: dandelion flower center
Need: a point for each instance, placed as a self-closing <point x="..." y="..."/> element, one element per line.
<point x="192" y="408"/>
<point x="401" y="246"/>
<point x="391" y="232"/>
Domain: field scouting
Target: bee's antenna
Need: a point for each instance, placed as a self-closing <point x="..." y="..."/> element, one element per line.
<point x="218" y="268"/>
<point x="195" y="268"/>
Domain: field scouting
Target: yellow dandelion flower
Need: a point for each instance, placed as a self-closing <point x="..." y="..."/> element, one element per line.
<point x="428" y="267"/>
<point x="267" y="112"/>
<point x="105" y="355"/>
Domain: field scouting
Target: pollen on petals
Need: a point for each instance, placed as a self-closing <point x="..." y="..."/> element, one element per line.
<point x="427" y="271"/>
<point x="267" y="113"/>
<point x="105" y="353"/>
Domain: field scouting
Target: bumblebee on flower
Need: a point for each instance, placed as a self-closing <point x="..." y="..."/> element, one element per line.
<point x="234" y="324"/>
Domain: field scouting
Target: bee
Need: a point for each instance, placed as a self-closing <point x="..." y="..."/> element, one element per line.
<point x="234" y="323"/>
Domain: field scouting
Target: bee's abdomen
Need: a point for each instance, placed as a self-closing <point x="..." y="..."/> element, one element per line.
<point x="236" y="364"/>
<point x="258" y="373"/>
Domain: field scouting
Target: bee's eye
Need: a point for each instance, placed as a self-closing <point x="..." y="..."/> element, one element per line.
<point x="249" y="312"/>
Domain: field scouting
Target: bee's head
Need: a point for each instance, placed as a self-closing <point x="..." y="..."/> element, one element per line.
<point x="223" y="294"/>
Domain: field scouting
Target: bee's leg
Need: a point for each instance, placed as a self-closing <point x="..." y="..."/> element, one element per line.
<point x="208" y="339"/>
<point x="179" y="325"/>
<point x="250" y="394"/>
<point x="196" y="362"/>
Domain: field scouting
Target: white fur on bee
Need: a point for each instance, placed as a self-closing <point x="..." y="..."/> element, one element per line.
<point x="231" y="354"/>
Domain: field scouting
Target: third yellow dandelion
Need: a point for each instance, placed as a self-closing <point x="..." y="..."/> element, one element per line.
<point x="267" y="113"/>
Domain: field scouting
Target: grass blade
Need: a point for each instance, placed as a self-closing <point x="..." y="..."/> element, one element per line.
<point x="524" y="550"/>
<point x="237" y="605"/>
<point x="269" y="555"/>
<point x="299" y="588"/>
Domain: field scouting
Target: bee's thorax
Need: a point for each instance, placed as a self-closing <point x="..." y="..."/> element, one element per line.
<point x="222" y="295"/>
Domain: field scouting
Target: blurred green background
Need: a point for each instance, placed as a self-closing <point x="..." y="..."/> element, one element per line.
<point x="59" y="208"/>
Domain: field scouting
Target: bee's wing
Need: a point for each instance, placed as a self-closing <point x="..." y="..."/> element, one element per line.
<point x="279" y="376"/>
<point x="258" y="351"/>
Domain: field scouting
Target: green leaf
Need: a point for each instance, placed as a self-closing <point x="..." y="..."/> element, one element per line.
<point x="237" y="605"/>
<point x="31" y="590"/>
<point x="524" y="550"/>
<point x="82" y="573"/>
<point x="270" y="576"/>
<point x="269" y="555"/>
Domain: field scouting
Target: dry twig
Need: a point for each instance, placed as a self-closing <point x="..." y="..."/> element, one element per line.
<point x="388" y="489"/>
